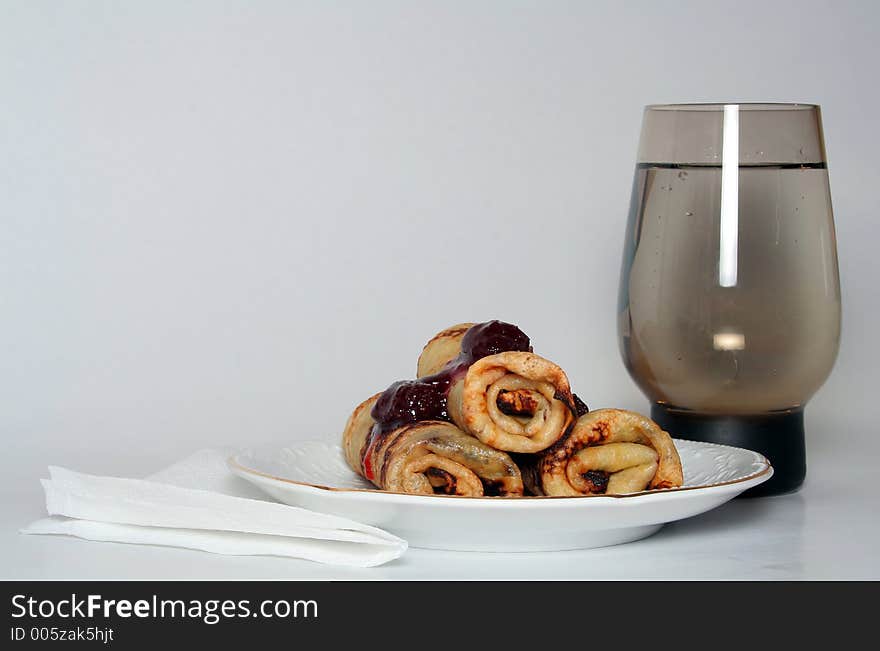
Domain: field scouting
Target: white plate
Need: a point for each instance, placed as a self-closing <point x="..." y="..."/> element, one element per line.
<point x="315" y="476"/>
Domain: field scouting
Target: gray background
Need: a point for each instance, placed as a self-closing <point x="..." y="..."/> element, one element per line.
<point x="227" y="223"/>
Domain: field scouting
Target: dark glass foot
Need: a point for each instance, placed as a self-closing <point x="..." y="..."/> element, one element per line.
<point x="779" y="437"/>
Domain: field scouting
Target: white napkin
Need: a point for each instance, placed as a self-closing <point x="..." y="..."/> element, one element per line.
<point x="197" y="503"/>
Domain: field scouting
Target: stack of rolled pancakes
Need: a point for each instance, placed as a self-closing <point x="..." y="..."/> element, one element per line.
<point x="488" y="417"/>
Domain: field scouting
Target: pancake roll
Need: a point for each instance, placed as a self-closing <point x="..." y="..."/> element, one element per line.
<point x="496" y="388"/>
<point x="426" y="457"/>
<point x="610" y="452"/>
<point x="514" y="401"/>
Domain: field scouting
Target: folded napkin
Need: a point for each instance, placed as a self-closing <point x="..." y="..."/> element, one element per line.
<point x="198" y="504"/>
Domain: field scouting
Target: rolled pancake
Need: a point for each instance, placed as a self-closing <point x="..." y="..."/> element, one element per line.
<point x="427" y="457"/>
<point x="513" y="401"/>
<point x="607" y="451"/>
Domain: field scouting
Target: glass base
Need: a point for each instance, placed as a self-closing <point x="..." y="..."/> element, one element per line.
<point x="779" y="437"/>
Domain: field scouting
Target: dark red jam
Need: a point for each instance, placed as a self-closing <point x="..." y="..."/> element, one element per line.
<point x="491" y="338"/>
<point x="409" y="401"/>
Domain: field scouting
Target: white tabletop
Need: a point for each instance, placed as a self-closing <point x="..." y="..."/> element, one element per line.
<point x="828" y="530"/>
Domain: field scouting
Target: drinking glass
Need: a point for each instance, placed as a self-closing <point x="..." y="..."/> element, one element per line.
<point x="729" y="312"/>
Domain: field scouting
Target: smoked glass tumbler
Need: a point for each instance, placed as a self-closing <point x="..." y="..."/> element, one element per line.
<point x="729" y="313"/>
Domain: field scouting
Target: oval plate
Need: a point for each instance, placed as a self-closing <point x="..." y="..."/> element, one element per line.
<point x="314" y="475"/>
